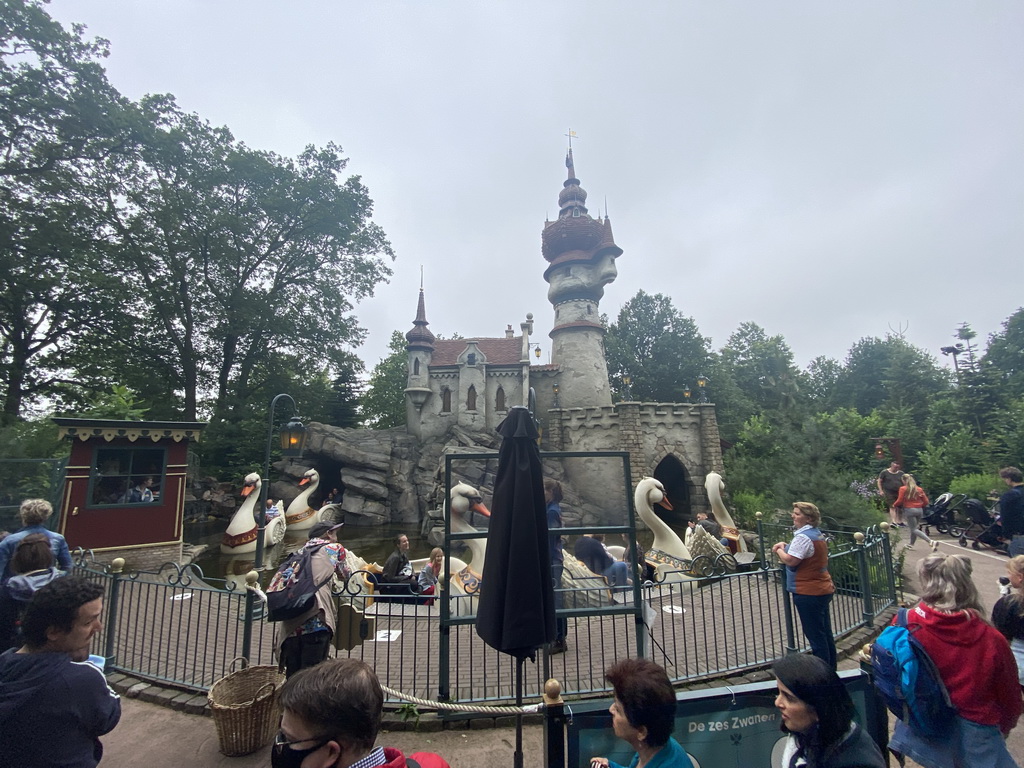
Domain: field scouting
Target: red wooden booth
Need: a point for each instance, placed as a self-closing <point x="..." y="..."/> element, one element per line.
<point x="124" y="493"/>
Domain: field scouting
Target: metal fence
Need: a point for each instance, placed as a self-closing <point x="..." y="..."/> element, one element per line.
<point x="176" y="627"/>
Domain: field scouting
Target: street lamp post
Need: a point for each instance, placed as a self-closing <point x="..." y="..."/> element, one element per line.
<point x="626" y="381"/>
<point x="702" y="383"/>
<point x="293" y="438"/>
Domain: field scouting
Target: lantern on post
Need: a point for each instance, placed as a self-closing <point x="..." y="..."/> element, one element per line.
<point x="293" y="438"/>
<point x="702" y="383"/>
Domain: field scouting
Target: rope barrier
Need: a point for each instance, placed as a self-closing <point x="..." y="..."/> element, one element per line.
<point x="528" y="709"/>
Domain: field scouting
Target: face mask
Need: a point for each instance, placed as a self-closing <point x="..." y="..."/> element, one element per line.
<point x="283" y="756"/>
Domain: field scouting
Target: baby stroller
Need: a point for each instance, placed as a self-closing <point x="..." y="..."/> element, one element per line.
<point x="986" y="523"/>
<point x="941" y="514"/>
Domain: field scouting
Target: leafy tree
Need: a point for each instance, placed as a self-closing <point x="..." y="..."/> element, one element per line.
<point x="889" y="373"/>
<point x="383" y="403"/>
<point x="945" y="458"/>
<point x="227" y="255"/>
<point x="343" y="402"/>
<point x="1007" y="434"/>
<point x="661" y="351"/>
<point x="762" y="367"/>
<point x="1004" y="357"/>
<point x="58" y="111"/>
<point x="118" y="403"/>
<point x="785" y="460"/>
<point x="59" y="120"/>
<point x="820" y="380"/>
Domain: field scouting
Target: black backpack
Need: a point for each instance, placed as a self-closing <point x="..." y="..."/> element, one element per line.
<point x="292" y="591"/>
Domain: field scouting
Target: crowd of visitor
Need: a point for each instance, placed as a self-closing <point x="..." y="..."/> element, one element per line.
<point x="332" y="708"/>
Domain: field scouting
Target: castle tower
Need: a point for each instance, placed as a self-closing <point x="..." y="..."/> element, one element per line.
<point x="421" y="350"/>
<point x="581" y="253"/>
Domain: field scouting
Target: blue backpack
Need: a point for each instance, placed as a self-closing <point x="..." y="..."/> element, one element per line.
<point x="907" y="678"/>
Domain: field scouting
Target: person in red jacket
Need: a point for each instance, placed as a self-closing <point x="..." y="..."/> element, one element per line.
<point x="975" y="663"/>
<point x="911" y="501"/>
<point x="331" y="717"/>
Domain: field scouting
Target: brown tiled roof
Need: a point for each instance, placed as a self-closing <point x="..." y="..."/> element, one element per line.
<point x="497" y="351"/>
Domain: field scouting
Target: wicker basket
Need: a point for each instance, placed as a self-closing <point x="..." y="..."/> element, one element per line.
<point x="245" y="709"/>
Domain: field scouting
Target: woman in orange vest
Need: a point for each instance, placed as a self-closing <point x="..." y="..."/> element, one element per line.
<point x="808" y="579"/>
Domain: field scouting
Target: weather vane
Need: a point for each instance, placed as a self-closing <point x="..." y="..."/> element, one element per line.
<point x="572" y="135"/>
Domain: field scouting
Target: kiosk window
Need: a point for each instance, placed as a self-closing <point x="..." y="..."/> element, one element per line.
<point x="127" y="476"/>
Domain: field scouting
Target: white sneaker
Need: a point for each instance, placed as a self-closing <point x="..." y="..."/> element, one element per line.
<point x="935" y="546"/>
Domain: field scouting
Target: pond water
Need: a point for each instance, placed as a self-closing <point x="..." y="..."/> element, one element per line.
<point x="373" y="544"/>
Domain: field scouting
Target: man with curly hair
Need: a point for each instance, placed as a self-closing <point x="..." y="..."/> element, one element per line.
<point x="54" y="704"/>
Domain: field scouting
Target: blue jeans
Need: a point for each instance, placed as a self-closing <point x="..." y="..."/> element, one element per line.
<point x="817" y="624"/>
<point x="617" y="574"/>
<point x="969" y="744"/>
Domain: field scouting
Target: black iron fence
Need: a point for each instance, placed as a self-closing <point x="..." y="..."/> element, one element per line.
<point x="177" y="627"/>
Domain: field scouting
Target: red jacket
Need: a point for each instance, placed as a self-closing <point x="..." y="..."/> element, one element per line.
<point x="974" y="661"/>
<point x="426" y="759"/>
<point x="918" y="502"/>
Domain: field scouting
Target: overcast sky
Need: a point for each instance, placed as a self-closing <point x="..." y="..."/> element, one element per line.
<point x="829" y="171"/>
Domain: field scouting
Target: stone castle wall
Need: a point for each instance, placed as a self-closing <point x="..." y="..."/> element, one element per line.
<point x="649" y="432"/>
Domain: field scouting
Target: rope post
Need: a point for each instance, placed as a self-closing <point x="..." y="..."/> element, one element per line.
<point x="554" y="725"/>
<point x="116" y="574"/>
<point x="250" y="598"/>
<point x="865" y="581"/>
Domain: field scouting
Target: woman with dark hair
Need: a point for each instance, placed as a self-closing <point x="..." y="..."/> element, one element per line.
<point x="32" y="566"/>
<point x="817" y="713"/>
<point x="643" y="715"/>
<point x="975" y="663"/>
<point x="808" y="579"/>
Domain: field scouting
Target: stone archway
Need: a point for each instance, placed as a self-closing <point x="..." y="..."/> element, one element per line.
<point x="673" y="475"/>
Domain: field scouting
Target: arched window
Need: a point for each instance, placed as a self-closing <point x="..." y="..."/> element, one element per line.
<point x="416" y="367"/>
<point x="446" y="400"/>
<point x="471" y="399"/>
<point x="499" y="399"/>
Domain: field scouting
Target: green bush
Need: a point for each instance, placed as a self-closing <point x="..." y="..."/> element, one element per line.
<point x="746" y="506"/>
<point x="975" y="486"/>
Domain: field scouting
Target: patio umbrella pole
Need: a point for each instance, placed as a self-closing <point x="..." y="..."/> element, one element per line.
<point x="517" y="758"/>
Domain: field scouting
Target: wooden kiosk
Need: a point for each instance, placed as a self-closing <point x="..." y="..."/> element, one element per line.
<point x="124" y="492"/>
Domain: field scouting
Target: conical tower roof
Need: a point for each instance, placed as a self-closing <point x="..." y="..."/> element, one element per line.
<point x="575" y="236"/>
<point x="420" y="336"/>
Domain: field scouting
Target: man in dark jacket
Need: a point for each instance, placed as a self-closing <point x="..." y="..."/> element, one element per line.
<point x="1011" y="503"/>
<point x="54" y="703"/>
<point x="590" y="550"/>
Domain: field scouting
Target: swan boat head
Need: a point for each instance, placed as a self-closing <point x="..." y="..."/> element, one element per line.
<point x="668" y="551"/>
<point x="240" y="535"/>
<point x="300" y="515"/>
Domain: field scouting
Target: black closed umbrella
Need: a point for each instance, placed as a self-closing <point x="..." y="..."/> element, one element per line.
<point x="516" y="614"/>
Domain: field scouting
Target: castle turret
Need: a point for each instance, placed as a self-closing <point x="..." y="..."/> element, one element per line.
<point x="421" y="349"/>
<point x="581" y="253"/>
